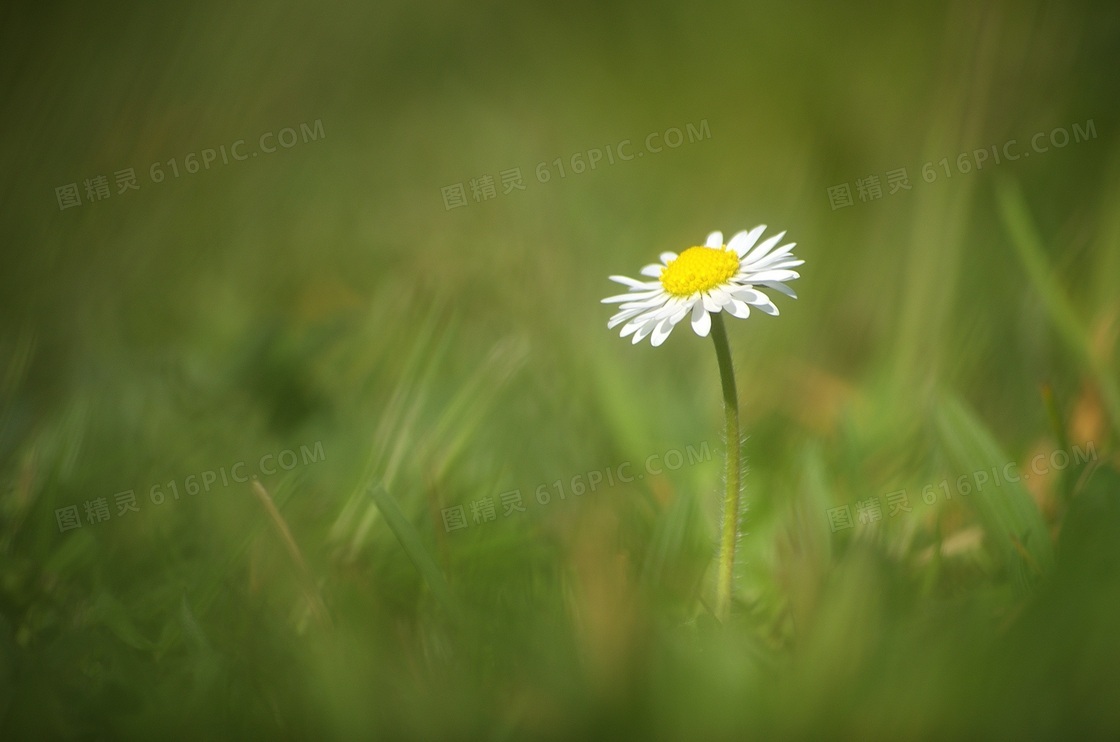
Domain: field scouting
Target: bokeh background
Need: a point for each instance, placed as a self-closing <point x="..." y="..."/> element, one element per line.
<point x="375" y="351"/>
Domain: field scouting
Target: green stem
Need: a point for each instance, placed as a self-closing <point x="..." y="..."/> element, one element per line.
<point x="730" y="527"/>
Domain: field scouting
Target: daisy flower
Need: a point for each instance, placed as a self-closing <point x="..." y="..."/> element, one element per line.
<point x="702" y="281"/>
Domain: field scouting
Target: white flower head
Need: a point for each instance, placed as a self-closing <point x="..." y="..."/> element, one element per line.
<point x="703" y="280"/>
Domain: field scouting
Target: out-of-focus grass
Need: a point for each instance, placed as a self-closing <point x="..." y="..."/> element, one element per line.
<point x="322" y="296"/>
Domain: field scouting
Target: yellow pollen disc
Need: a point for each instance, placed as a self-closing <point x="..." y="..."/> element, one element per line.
<point x="699" y="269"/>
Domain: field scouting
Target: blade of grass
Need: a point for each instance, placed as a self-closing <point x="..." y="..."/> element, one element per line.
<point x="1028" y="246"/>
<point x="410" y="541"/>
<point x="1058" y="425"/>
<point x="670" y="537"/>
<point x="311" y="590"/>
<point x="109" y="612"/>
<point x="1006" y="510"/>
<point x="393" y="437"/>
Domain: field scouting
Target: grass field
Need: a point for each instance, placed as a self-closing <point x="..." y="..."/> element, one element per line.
<point x="311" y="426"/>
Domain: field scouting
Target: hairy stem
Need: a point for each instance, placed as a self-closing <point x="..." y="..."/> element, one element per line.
<point x="730" y="526"/>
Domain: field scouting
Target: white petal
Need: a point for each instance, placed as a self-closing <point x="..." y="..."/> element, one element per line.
<point x="673" y="305"/>
<point x="764" y="247"/>
<point x="651" y="302"/>
<point x="720" y="296"/>
<point x="746" y="242"/>
<point x="778" y="287"/>
<point x="715" y="239"/>
<point x="748" y="295"/>
<point x="701" y="320"/>
<point x="678" y="307"/>
<point x="736" y="241"/>
<point x="621" y="317"/>
<point x="710" y="303"/>
<point x="661" y="313"/>
<point x="630" y="282"/>
<point x="664" y="327"/>
<point x="738" y="309"/>
<point x="631" y="327"/>
<point x="642" y="317"/>
<point x="783" y="250"/>
<point x="769" y="264"/>
<point x="645" y="330"/>
<point x="632" y="296"/>
<point x="668" y="257"/>
<point x="679" y="313"/>
<point x="766" y="306"/>
<point x="653" y="270"/>
<point x="779" y="275"/>
<point x="657" y="294"/>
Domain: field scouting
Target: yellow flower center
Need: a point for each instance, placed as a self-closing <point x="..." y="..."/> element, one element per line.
<point x="699" y="269"/>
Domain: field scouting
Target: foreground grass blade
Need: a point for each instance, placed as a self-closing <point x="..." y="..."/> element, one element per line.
<point x="1013" y="523"/>
<point x="311" y="590"/>
<point x="1028" y="246"/>
<point x="410" y="541"/>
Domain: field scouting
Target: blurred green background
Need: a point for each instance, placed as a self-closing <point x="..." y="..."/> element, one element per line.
<point x="317" y="312"/>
